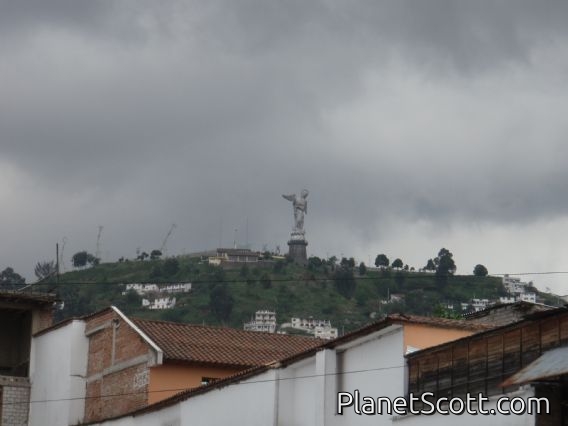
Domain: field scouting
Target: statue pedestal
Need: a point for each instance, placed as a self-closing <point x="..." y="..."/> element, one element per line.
<point x="297" y="251"/>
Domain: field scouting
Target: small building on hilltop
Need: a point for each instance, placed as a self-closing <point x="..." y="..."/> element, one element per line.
<point x="234" y="256"/>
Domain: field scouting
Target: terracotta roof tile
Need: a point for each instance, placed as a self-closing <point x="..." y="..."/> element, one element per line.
<point x="222" y="346"/>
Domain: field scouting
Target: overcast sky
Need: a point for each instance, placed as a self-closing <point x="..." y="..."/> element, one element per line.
<point x="415" y="125"/>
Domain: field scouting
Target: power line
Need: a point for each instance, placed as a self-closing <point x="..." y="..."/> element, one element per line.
<point x="279" y="379"/>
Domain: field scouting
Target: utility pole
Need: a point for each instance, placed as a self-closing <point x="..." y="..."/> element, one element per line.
<point x="98" y="250"/>
<point x="163" y="247"/>
<point x="57" y="263"/>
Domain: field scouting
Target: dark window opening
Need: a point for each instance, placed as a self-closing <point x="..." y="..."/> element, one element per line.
<point x="15" y="342"/>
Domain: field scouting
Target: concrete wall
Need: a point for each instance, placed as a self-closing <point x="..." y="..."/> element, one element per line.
<point x="375" y="367"/>
<point x="57" y="373"/>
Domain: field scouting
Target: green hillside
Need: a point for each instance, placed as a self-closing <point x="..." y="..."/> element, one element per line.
<point x="326" y="291"/>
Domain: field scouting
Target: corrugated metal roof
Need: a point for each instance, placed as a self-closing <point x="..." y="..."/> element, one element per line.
<point x="550" y="364"/>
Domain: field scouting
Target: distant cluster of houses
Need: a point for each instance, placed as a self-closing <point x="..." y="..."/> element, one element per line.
<point x="265" y="321"/>
<point x="518" y="291"/>
<point x="107" y="368"/>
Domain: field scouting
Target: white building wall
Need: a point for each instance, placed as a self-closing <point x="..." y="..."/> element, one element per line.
<point x="297" y="394"/>
<point x="375" y="367"/>
<point x="58" y="366"/>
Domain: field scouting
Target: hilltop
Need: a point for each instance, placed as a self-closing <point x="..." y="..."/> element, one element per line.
<point x="231" y="296"/>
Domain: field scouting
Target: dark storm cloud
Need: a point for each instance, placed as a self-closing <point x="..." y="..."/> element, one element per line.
<point x="139" y="114"/>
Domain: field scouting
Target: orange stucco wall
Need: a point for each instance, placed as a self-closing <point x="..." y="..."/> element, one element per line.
<point x="168" y="379"/>
<point x="422" y="336"/>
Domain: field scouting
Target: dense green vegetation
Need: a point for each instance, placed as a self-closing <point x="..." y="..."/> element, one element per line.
<point x="343" y="292"/>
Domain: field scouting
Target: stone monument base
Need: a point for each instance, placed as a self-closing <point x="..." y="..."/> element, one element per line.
<point x="297" y="251"/>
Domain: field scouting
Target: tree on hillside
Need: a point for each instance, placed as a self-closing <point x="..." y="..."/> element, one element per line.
<point x="362" y="268"/>
<point x="430" y="266"/>
<point x="142" y="256"/>
<point x="397" y="263"/>
<point x="221" y="302"/>
<point x="381" y="261"/>
<point x="314" y="262"/>
<point x="265" y="281"/>
<point x="347" y="263"/>
<point x="44" y="270"/>
<point x="171" y="266"/>
<point x="155" y="254"/>
<point x="480" y="271"/>
<point x="444" y="262"/>
<point x="10" y="280"/>
<point x="82" y="259"/>
<point x="344" y="281"/>
<point x="79" y="259"/>
<point x="92" y="260"/>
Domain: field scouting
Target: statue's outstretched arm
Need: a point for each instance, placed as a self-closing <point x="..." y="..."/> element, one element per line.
<point x="291" y="197"/>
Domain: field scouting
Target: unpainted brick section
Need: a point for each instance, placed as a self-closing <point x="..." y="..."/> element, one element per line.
<point x="45" y="319"/>
<point x="15" y="405"/>
<point x="116" y="392"/>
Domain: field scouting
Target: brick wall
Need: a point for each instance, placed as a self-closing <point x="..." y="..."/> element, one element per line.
<point x="44" y="320"/>
<point x="117" y="369"/>
<point x="15" y="401"/>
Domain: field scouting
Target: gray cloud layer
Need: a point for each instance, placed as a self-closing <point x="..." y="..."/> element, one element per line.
<point x="140" y="114"/>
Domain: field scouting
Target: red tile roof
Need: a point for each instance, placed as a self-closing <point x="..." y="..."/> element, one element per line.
<point x="222" y="346"/>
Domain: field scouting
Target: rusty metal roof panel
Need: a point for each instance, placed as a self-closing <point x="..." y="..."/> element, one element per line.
<point x="550" y="364"/>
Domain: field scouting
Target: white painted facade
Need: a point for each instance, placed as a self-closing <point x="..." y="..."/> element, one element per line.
<point x="160" y="303"/>
<point x="514" y="285"/>
<point x="176" y="288"/>
<point x="523" y="297"/>
<point x="58" y="367"/>
<point x="325" y="333"/>
<point x="263" y="321"/>
<point x="321" y="329"/>
<point x="143" y="289"/>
